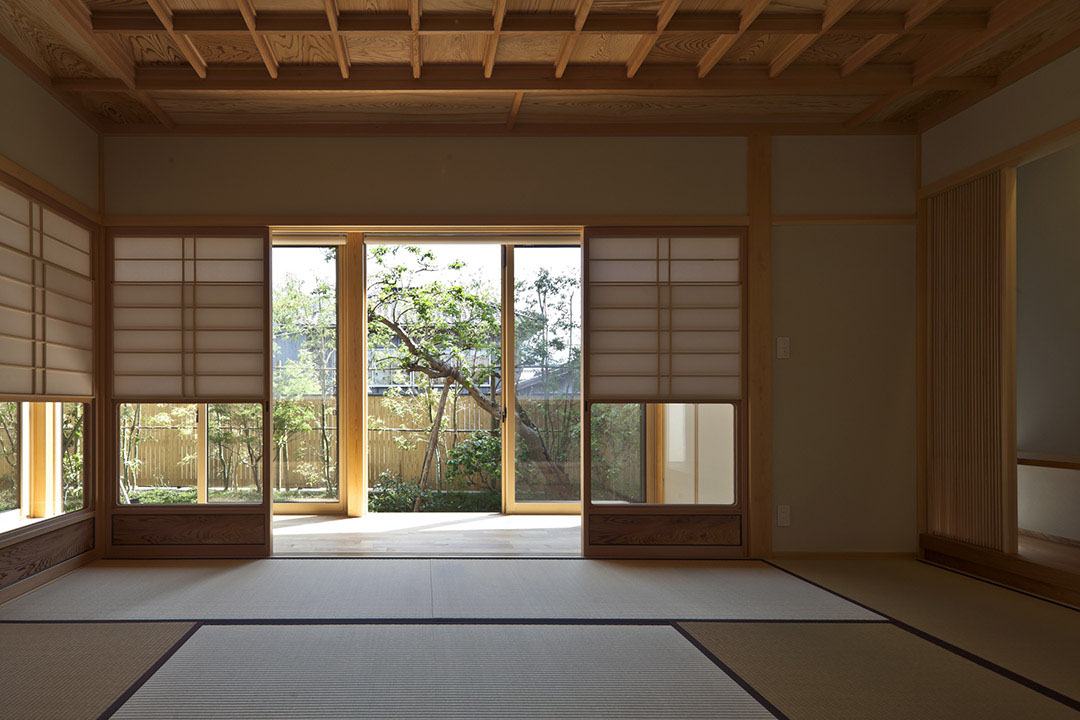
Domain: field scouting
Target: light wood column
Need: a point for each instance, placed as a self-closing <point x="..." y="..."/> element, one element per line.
<point x="353" y="340"/>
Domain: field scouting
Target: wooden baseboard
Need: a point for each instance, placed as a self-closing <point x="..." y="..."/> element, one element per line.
<point x="1050" y="538"/>
<point x="846" y="555"/>
<point x="1012" y="570"/>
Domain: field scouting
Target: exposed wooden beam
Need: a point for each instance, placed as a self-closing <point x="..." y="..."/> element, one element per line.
<point x="615" y="23"/>
<point x="722" y="44"/>
<point x="498" y="14"/>
<point x="1004" y="15"/>
<point x="647" y="42"/>
<point x="353" y="129"/>
<point x="247" y="11"/>
<point x="515" y="106"/>
<point x="920" y="11"/>
<point x="341" y="47"/>
<point x="108" y="52"/>
<point x="875" y="108"/>
<point x="566" y="50"/>
<point x="870" y="49"/>
<point x="877" y="44"/>
<point x="736" y="80"/>
<point x="1025" y="67"/>
<point x="416" y="57"/>
<point x="834" y="11"/>
<point x="165" y="15"/>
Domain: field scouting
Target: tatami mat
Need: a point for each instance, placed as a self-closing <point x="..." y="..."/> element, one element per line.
<point x="73" y="671"/>
<point x="424" y="589"/>
<point x="1032" y="637"/>
<point x="444" y="671"/>
<point x="838" y="671"/>
<point x="622" y="589"/>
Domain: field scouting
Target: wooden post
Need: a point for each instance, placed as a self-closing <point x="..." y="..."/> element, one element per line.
<point x="202" y="460"/>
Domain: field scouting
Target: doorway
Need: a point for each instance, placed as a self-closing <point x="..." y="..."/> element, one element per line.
<point x="471" y="395"/>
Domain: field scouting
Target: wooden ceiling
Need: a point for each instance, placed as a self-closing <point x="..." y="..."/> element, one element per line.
<point x="529" y="67"/>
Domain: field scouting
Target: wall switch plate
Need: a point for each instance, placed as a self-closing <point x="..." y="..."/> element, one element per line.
<point x="783" y="515"/>
<point x="783" y="348"/>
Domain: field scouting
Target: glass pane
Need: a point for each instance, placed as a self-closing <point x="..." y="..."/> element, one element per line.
<point x="164" y="461"/>
<point x="158" y="453"/>
<point x="10" y="487"/>
<point x="674" y="453"/>
<point x="234" y="445"/>
<point x="434" y="395"/>
<point x="618" y="472"/>
<point x="72" y="456"/>
<point x="547" y="374"/>
<point x="305" y="325"/>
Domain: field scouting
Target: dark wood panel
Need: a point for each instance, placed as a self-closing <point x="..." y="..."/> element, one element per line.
<point x="188" y="529"/>
<point x="619" y="529"/>
<point x="23" y="559"/>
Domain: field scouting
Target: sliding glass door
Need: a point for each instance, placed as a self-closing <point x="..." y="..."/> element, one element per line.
<point x="544" y="445"/>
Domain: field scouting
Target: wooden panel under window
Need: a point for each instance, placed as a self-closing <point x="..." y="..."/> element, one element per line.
<point x="21" y="560"/>
<point x="609" y="529"/>
<point x="971" y="474"/>
<point x="188" y="529"/>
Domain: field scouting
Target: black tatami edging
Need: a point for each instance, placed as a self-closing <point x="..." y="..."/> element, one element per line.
<point x="134" y="687"/>
<point x="945" y="644"/>
<point x="727" y="670"/>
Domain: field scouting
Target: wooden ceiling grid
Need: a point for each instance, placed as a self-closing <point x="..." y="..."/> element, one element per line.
<point x="492" y="67"/>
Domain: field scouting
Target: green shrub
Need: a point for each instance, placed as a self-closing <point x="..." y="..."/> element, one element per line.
<point x="164" y="496"/>
<point x="476" y="461"/>
<point x="401" y="497"/>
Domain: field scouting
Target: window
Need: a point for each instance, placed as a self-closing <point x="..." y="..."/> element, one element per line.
<point x="41" y="461"/>
<point x="187" y="453"/>
<point x="670" y="453"/>
<point x="305" y="464"/>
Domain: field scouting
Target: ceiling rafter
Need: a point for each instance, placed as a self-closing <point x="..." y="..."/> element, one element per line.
<point x="498" y="14"/>
<point x="109" y="53"/>
<point x="341" y="47"/>
<point x="646" y="43"/>
<point x="247" y="10"/>
<point x="566" y="49"/>
<point x="581" y="20"/>
<point x="515" y="107"/>
<point x="798" y="45"/>
<point x="877" y="44"/>
<point x="812" y="80"/>
<point x="415" y="56"/>
<point x="722" y="44"/>
<point x="183" y="42"/>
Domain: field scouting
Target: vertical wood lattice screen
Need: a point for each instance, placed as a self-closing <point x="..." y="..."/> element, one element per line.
<point x="46" y="302"/>
<point x="971" y="475"/>
<point x="664" y="317"/>
<point x="190" y="317"/>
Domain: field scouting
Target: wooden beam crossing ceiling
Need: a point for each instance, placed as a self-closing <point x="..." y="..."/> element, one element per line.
<point x="630" y="23"/>
<point x="808" y="80"/>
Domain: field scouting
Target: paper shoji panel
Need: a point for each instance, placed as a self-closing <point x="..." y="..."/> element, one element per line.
<point x="664" y="318"/>
<point x="46" y="301"/>
<point x="190" y="317"/>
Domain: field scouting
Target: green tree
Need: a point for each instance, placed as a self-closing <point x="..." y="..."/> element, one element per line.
<point x="436" y="321"/>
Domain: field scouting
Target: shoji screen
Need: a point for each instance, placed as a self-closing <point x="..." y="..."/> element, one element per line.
<point x="664" y="329"/>
<point x="664" y="317"/>
<point x="190" y="316"/>
<point x="46" y="302"/>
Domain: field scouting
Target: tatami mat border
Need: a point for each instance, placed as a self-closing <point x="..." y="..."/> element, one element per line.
<point x="997" y="584"/>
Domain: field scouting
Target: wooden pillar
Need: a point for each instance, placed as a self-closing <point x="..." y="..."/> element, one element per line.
<point x="202" y="460"/>
<point x="352" y="367"/>
<point x="759" y="292"/>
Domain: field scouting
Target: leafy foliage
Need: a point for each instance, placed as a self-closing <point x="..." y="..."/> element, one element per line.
<point x="476" y="461"/>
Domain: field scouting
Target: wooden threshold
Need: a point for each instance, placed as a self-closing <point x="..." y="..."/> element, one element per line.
<point x="1019" y="571"/>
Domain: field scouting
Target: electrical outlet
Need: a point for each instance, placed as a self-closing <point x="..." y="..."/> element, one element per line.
<point x="783" y="515"/>
<point x="783" y="348"/>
